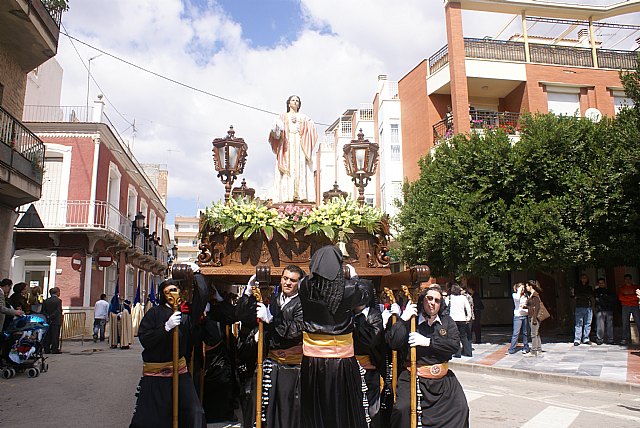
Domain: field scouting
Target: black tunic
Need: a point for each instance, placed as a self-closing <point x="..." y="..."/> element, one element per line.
<point x="154" y="404"/>
<point x="368" y="339"/>
<point x="331" y="388"/>
<point x="443" y="401"/>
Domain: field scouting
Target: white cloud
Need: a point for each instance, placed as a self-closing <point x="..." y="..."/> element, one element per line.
<point x="332" y="64"/>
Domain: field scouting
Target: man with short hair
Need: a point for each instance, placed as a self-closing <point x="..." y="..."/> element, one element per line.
<point x="605" y="300"/>
<point x="584" y="312"/>
<point x="100" y="314"/>
<point x="52" y="308"/>
<point x="629" y="302"/>
<point x="283" y="339"/>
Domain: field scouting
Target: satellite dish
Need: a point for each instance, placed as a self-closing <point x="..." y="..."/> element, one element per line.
<point x="593" y="114"/>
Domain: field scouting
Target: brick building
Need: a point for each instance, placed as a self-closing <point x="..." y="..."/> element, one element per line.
<point x="97" y="202"/>
<point x="29" y="34"/>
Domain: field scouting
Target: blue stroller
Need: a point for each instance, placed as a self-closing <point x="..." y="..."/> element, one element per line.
<point x="22" y="348"/>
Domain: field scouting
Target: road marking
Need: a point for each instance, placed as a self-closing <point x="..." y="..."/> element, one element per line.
<point x="553" y="416"/>
<point x="490" y="394"/>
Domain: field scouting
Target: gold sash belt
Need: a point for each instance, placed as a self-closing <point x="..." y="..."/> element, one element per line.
<point x="327" y="346"/>
<point x="435" y="371"/>
<point x="291" y="355"/>
<point x="164" y="369"/>
<point x="365" y="362"/>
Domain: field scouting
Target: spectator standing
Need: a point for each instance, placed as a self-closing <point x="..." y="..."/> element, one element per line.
<point x="34" y="299"/>
<point x="464" y="292"/>
<point x="478" y="306"/>
<point x="18" y="299"/>
<point x="460" y="311"/>
<point x="605" y="301"/>
<point x="5" y="309"/>
<point x="533" y="304"/>
<point x="584" y="312"/>
<point x="52" y="308"/>
<point x="629" y="302"/>
<point x="520" y="319"/>
<point x="100" y="314"/>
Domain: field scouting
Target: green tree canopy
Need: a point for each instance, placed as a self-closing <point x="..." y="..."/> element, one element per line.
<point x="565" y="194"/>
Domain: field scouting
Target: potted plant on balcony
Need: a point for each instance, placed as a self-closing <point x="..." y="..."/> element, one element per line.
<point x="56" y="5"/>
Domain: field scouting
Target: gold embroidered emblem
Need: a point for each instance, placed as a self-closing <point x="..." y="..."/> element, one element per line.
<point x="443" y="332"/>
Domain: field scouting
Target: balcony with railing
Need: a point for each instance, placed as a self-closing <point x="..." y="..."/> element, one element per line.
<point x="502" y="50"/>
<point x="22" y="156"/>
<point x="36" y="113"/>
<point x="79" y="214"/>
<point x="479" y="121"/>
<point x="30" y="30"/>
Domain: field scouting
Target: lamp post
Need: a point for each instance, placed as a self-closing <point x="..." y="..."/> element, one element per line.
<point x="88" y="82"/>
<point x="229" y="158"/>
<point x="138" y="224"/>
<point x="361" y="160"/>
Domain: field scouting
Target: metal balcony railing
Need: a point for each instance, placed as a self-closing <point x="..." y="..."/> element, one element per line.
<point x="64" y="214"/>
<point x="502" y="50"/>
<point x="15" y="135"/>
<point x="55" y="11"/>
<point x="479" y="120"/>
<point x="34" y="113"/>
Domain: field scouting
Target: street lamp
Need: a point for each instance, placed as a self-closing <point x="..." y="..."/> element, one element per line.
<point x="88" y="82"/>
<point x="333" y="194"/>
<point x="361" y="160"/>
<point x="229" y="158"/>
<point x="138" y="224"/>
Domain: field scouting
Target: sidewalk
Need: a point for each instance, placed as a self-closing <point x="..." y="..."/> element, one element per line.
<point x="611" y="367"/>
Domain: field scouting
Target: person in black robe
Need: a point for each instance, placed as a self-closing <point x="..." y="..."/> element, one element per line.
<point x="441" y="400"/>
<point x="283" y="348"/>
<point x="370" y="348"/>
<point x="331" y="385"/>
<point x="154" y="404"/>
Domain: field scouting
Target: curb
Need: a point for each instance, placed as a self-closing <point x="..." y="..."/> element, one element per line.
<point x="609" y="385"/>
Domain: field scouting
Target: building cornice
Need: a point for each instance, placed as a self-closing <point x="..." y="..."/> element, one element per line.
<point x="552" y="9"/>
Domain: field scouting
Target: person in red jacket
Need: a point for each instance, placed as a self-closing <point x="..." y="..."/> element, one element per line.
<point x="629" y="301"/>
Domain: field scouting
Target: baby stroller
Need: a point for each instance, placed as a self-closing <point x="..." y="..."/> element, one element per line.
<point x="22" y="346"/>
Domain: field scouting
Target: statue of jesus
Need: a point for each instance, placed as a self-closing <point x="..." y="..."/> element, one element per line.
<point x="293" y="137"/>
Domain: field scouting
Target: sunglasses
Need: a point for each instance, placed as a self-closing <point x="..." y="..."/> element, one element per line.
<point x="433" y="299"/>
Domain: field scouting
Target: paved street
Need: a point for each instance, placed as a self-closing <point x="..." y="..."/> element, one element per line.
<point x="92" y="385"/>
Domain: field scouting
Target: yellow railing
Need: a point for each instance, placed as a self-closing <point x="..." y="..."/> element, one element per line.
<point x="73" y="324"/>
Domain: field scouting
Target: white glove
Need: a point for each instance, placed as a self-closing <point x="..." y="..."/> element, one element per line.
<point x="395" y="309"/>
<point x="173" y="321"/>
<point x="262" y="312"/>
<point x="207" y="308"/>
<point x="416" y="339"/>
<point x="352" y="271"/>
<point x="410" y="311"/>
<point x="256" y="336"/>
<point x="218" y="297"/>
<point x="252" y="283"/>
<point x="386" y="314"/>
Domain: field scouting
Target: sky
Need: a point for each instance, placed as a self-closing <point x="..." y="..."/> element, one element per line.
<point x="237" y="61"/>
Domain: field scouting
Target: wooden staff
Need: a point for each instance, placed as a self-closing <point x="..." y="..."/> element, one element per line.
<point x="394" y="354"/>
<point x="413" y="371"/>
<point x="258" y="295"/>
<point x="175" y="305"/>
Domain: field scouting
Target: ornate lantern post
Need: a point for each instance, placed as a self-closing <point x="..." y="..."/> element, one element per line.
<point x="361" y="160"/>
<point x="229" y="158"/>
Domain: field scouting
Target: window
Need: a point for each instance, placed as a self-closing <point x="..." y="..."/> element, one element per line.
<point x="619" y="102"/>
<point x="496" y="286"/>
<point x="561" y="103"/>
<point x="368" y="201"/>
<point x="395" y="153"/>
<point x="395" y="135"/>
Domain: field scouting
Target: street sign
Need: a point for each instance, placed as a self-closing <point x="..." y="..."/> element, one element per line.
<point x="105" y="259"/>
<point x="76" y="261"/>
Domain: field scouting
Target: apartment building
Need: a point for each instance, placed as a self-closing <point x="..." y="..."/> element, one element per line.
<point x="29" y="34"/>
<point x="100" y="219"/>
<point x="186" y="238"/>
<point x="471" y="83"/>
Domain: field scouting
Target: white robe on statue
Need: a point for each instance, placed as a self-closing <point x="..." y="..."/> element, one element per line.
<point x="293" y="138"/>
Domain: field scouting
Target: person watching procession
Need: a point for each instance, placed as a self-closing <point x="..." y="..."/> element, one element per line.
<point x="282" y="320"/>
<point x="18" y="300"/>
<point x="629" y="301"/>
<point x="34" y="299"/>
<point x="584" y="312"/>
<point x="460" y="312"/>
<point x="6" y="312"/>
<point x="520" y="319"/>
<point x="533" y="290"/>
<point x="605" y="302"/>
<point x="436" y="339"/>
<point x="331" y="383"/>
<point x="100" y="314"/>
<point x="154" y="404"/>
<point x="52" y="308"/>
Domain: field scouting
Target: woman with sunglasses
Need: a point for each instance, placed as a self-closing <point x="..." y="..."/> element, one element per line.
<point x="436" y="339"/>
